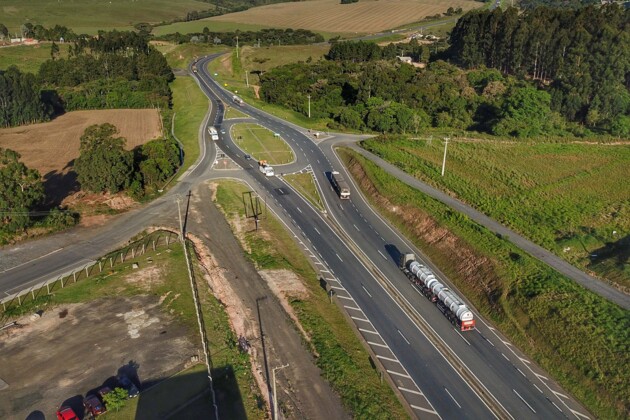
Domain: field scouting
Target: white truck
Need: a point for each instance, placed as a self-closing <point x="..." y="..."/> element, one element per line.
<point x="340" y="185"/>
<point x="213" y="133"/>
<point x="238" y="100"/>
<point x="265" y="169"/>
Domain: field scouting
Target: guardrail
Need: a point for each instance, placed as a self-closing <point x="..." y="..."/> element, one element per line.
<point x="152" y="241"/>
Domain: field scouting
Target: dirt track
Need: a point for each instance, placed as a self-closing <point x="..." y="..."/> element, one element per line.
<point x="258" y="313"/>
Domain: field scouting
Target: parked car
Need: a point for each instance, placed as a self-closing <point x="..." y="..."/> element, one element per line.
<point x="94" y="405"/>
<point x="66" y="413"/>
<point x="248" y="157"/>
<point x="104" y="391"/>
<point x="126" y="382"/>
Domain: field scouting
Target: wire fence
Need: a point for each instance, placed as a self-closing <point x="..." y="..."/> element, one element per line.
<point x="153" y="241"/>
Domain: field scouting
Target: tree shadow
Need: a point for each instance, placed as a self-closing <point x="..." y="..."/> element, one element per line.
<point x="617" y="252"/>
<point x="60" y="184"/>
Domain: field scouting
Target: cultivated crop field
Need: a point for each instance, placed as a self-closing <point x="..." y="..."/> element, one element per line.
<point x="330" y="16"/>
<point x="261" y="144"/>
<point x="88" y="16"/>
<point x="573" y="199"/>
<point x="49" y="147"/>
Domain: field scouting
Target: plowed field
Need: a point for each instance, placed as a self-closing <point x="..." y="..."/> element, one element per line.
<point x="51" y="147"/>
<point x="331" y="16"/>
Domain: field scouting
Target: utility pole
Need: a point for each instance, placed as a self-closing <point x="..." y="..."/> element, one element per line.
<point x="273" y="383"/>
<point x="246" y="78"/>
<point x="309" y="105"/>
<point x="446" y="139"/>
<point x="181" y="226"/>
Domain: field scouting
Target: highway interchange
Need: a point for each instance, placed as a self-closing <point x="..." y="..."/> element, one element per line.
<point x="439" y="371"/>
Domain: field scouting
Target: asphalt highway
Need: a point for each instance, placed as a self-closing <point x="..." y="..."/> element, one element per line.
<point x="377" y="286"/>
<point x="441" y="372"/>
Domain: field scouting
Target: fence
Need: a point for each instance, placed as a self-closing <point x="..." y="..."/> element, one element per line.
<point x="152" y="241"/>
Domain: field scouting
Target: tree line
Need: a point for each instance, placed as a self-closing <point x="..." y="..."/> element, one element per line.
<point x="361" y="51"/>
<point x="264" y="37"/>
<point x="20" y="99"/>
<point x="581" y="58"/>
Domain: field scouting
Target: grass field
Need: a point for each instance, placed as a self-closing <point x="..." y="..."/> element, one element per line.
<point x="578" y="337"/>
<point x="341" y="356"/>
<point x="88" y="16"/>
<point x="190" y="106"/>
<point x="366" y="16"/>
<point x="27" y="58"/>
<point x="304" y="183"/>
<point x="261" y="143"/>
<point x="569" y="198"/>
<point x="231" y="112"/>
<point x="262" y="59"/>
<point x="179" y="56"/>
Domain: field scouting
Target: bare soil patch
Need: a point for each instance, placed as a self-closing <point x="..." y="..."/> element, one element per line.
<point x="75" y="348"/>
<point x="331" y="16"/>
<point x="52" y="147"/>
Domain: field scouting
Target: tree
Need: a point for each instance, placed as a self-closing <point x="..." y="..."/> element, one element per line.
<point x="116" y="399"/>
<point x="21" y="189"/>
<point x="525" y="113"/>
<point x="103" y="164"/>
<point x="54" y="50"/>
<point x="4" y="31"/>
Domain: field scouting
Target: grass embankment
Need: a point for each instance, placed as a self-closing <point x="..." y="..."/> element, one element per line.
<point x="28" y="58"/>
<point x="256" y="60"/>
<point x="231" y="112"/>
<point x="89" y="16"/>
<point x="178" y="56"/>
<point x="232" y="370"/>
<point x="580" y="338"/>
<point x="261" y="143"/>
<point x="190" y="106"/>
<point x="572" y="199"/>
<point x="342" y="358"/>
<point x="305" y="184"/>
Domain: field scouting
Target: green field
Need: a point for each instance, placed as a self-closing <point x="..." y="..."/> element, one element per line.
<point x="304" y="183"/>
<point x="261" y="143"/>
<point x="89" y="16"/>
<point x="196" y="26"/>
<point x="190" y="106"/>
<point x="27" y="58"/>
<point x="341" y="356"/>
<point x="231" y="73"/>
<point x="179" y="56"/>
<point x="571" y="198"/>
<point x="578" y="337"/>
<point x="231" y="112"/>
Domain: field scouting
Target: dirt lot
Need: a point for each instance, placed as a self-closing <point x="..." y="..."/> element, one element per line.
<point x="76" y="348"/>
<point x="52" y="147"/>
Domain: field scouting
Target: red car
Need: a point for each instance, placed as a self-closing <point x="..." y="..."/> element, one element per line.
<point x="66" y="413"/>
<point x="93" y="405"/>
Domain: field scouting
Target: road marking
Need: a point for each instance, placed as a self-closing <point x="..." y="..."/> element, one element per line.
<point x="397" y="373"/>
<point x="360" y="319"/>
<point x="521" y="372"/>
<point x="450" y="395"/>
<point x="317" y="231"/>
<point x="404" y="338"/>
<point x="31" y="260"/>
<point x="539" y="390"/>
<point x="355" y="226"/>
<point x="345" y="297"/>
<point x="352" y="307"/>
<point x="339" y="257"/>
<point x="523" y="399"/>
<point x="366" y="291"/>
<point x="559" y="394"/>
<point x="525" y="360"/>
<point x="505" y="357"/>
<point x="541" y="377"/>
<point x="415" y="407"/>
<point x="382" y="255"/>
<point x="554" y="404"/>
<point x="578" y="414"/>
<point x="369" y="331"/>
<point x="463" y="338"/>
<point x="388" y="358"/>
<point x="377" y="344"/>
<point x="337" y="288"/>
<point x="410" y="390"/>
<point x="298" y="209"/>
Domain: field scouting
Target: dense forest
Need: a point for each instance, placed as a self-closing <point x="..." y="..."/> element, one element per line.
<point x="20" y="99"/>
<point x="265" y="37"/>
<point x="544" y="72"/>
<point x="580" y="57"/>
